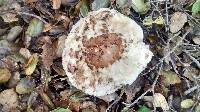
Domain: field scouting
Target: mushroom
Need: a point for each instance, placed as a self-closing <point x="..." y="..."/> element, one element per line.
<point x="104" y="51"/>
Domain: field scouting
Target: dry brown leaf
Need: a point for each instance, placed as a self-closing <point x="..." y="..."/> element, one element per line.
<point x="56" y="4"/>
<point x="48" y="54"/>
<point x="177" y="21"/>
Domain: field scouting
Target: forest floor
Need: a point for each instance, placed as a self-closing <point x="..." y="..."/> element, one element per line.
<point x="32" y="36"/>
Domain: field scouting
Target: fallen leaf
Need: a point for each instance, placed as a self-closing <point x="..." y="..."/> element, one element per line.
<point x="197" y="109"/>
<point x="2" y="2"/>
<point x="9" y="17"/>
<point x="143" y="109"/>
<point x="35" y="27"/>
<point x="170" y="77"/>
<point x="187" y="103"/>
<point x="97" y="4"/>
<point x="196" y="7"/>
<point x="25" y="52"/>
<point x="160" y="20"/>
<point x="177" y="21"/>
<point x="69" y="2"/>
<point x="4" y="48"/>
<point x="124" y="6"/>
<point x="88" y="106"/>
<point x="13" y="33"/>
<point x="141" y="6"/>
<point x="9" y="100"/>
<point x="132" y="89"/>
<point x="60" y="45"/>
<point x="196" y="40"/>
<point x="56" y="4"/>
<point x="4" y="75"/>
<point x="30" y="1"/>
<point x="25" y="86"/>
<point x="61" y="110"/>
<point x="8" y="5"/>
<point x="148" y="21"/>
<point x="31" y="65"/>
<point x="84" y="9"/>
<point x="48" y="54"/>
<point x="160" y="101"/>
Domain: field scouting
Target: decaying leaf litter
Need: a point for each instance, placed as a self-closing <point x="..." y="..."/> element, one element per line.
<point x="32" y="35"/>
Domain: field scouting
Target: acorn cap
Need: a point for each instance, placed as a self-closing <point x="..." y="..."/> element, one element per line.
<point x="104" y="51"/>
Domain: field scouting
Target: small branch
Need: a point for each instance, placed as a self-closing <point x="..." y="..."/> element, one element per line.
<point x="191" y="90"/>
<point x="193" y="59"/>
<point x="110" y="106"/>
<point x="149" y="90"/>
<point x="168" y="54"/>
<point x="33" y="15"/>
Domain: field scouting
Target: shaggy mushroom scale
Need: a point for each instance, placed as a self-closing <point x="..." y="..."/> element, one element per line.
<point x="104" y="51"/>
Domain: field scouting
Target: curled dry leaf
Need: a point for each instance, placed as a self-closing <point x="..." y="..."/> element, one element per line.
<point x="177" y="21"/>
<point x="31" y="65"/>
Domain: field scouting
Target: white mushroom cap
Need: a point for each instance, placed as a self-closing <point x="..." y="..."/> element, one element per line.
<point x="104" y="51"/>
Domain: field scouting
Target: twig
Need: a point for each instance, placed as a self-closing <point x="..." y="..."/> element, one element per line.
<point x="110" y="106"/>
<point x="168" y="54"/>
<point x="167" y="16"/>
<point x="193" y="59"/>
<point x="149" y="90"/>
<point x="191" y="90"/>
<point x="33" y="15"/>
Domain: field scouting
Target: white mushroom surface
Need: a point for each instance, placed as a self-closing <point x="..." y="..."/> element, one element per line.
<point x="104" y="51"/>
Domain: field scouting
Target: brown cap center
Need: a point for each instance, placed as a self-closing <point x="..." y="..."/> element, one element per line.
<point x="102" y="50"/>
